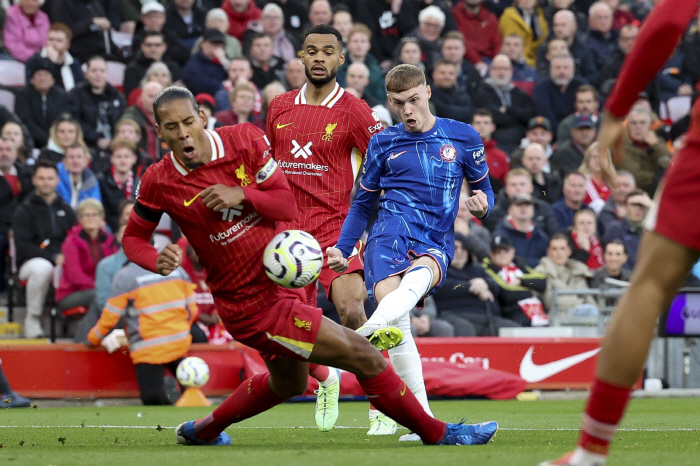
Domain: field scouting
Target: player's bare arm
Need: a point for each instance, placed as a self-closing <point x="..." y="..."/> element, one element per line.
<point x="478" y="204"/>
<point x="169" y="259"/>
<point x="611" y="137"/>
<point x="219" y="197"/>
<point x="336" y="261"/>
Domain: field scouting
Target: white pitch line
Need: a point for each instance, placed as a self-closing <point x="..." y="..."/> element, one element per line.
<point x="514" y="429"/>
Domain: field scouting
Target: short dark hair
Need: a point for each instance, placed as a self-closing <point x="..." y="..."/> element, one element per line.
<point x="45" y="163"/>
<point x="573" y="173"/>
<point x="324" y="29"/>
<point x="170" y="94"/>
<point x="94" y="58"/>
<point x="483" y="112"/>
<point x="634" y="192"/>
<point x="563" y="236"/>
<point x="123" y="204"/>
<point x="587" y="88"/>
<point x="153" y="34"/>
<point x="616" y="241"/>
<point x="260" y="35"/>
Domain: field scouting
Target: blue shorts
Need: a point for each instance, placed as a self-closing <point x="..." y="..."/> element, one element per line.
<point x="386" y="256"/>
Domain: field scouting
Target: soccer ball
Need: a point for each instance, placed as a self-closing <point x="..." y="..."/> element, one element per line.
<point x="192" y="372"/>
<point x="293" y="259"/>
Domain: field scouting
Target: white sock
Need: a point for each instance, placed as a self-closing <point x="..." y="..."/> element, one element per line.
<point x="332" y="378"/>
<point x="414" y="285"/>
<point x="407" y="364"/>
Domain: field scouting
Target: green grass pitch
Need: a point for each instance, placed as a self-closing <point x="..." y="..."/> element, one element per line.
<point x="655" y="432"/>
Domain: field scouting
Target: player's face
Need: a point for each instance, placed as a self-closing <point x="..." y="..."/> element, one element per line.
<point x="412" y="108"/>
<point x="559" y="251"/>
<point x="322" y="55"/>
<point x="182" y="129"/>
<point x="615" y="256"/>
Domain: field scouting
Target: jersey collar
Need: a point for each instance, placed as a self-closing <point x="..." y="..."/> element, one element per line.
<point x="217" y="152"/>
<point x="329" y="101"/>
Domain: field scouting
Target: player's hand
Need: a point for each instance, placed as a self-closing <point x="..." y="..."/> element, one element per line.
<point x="478" y="204"/>
<point x="336" y="261"/>
<point x="169" y="259"/>
<point x="611" y="138"/>
<point x="220" y="197"/>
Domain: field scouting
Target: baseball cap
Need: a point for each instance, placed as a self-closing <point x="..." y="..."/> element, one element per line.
<point x="214" y="36"/>
<point x="521" y="198"/>
<point x="203" y="97"/>
<point x="153" y="5"/>
<point x="582" y="120"/>
<point x="42" y="64"/>
<point x="500" y="242"/>
<point x="539" y="122"/>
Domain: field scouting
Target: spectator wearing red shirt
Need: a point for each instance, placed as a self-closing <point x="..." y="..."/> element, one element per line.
<point x="480" y="29"/>
<point x="241" y="13"/>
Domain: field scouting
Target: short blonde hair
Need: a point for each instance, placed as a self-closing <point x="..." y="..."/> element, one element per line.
<point x="404" y="77"/>
<point x="90" y="203"/>
<point x="241" y="87"/>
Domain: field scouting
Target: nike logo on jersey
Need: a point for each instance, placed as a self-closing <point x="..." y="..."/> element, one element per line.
<point x="282" y="126"/>
<point x="393" y="156"/>
<point x="532" y="372"/>
<point x="403" y="391"/>
<point x="188" y="203"/>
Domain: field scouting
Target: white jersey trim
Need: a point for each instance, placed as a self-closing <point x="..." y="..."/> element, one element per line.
<point x="329" y="101"/>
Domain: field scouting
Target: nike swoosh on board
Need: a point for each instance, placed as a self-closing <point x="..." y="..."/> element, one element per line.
<point x="188" y="203"/>
<point x="282" y="126"/>
<point x="532" y="372"/>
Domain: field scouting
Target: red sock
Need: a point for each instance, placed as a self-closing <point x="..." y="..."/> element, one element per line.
<point x="606" y="405"/>
<point x="390" y="395"/>
<point x="318" y="372"/>
<point x="250" y="398"/>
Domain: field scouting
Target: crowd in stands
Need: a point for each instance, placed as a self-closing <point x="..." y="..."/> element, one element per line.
<point x="531" y="76"/>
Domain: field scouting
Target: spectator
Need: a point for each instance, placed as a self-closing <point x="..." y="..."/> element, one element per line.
<point x="526" y="19"/>
<point x="357" y="78"/>
<point x="425" y="322"/>
<point x="524" y="75"/>
<point x="14" y="132"/>
<point x="186" y="20"/>
<point x="547" y="186"/>
<point x="602" y="39"/>
<point x="519" y="181"/>
<point x="96" y="104"/>
<point x="519" y="284"/>
<point x="629" y="230"/>
<point x="574" y="193"/>
<point x="40" y="102"/>
<point x="9" y="397"/>
<point x="64" y="132"/>
<point x="585" y="240"/>
<point x="342" y="21"/>
<point x="320" y="12"/>
<point x="157" y="72"/>
<point x="76" y="181"/>
<point x="598" y="182"/>
<point x="431" y="22"/>
<point x="468" y="77"/>
<point x="564" y="27"/>
<point x="586" y="103"/>
<point x="388" y="21"/>
<point x="449" y="101"/>
<point x="570" y="155"/>
<point x="557" y="5"/>
<point x="691" y="49"/>
<point x="510" y="106"/>
<point x="25" y="28"/>
<point x="206" y="104"/>
<point x="217" y="19"/>
<point x="480" y="30"/>
<point x="88" y="21"/>
<point x="266" y="66"/>
<point x="86" y="244"/>
<point x="295" y="74"/>
<point x="242" y="100"/>
<point x="615" y="257"/>
<point x="644" y="154"/>
<point x="153" y="48"/>
<point x="156" y="340"/>
<point x="476" y="238"/>
<point x="565" y="273"/>
<point x="66" y="69"/>
<point x="285" y="45"/>
<point x="142" y="112"/>
<point x="131" y="130"/>
<point x="614" y="209"/>
<point x="539" y="130"/>
<point x="555" y="96"/>
<point x="239" y="70"/>
<point x="153" y="19"/>
<point x="467" y="299"/>
<point x="497" y="160"/>
<point x="40" y="224"/>
<point x="621" y="18"/>
<point x="242" y="14"/>
<point x="118" y="182"/>
<point x="672" y="81"/>
<point x="409" y="53"/>
<point x="524" y="234"/>
<point x="554" y="47"/>
<point x="206" y="71"/>
<point x="270" y="91"/>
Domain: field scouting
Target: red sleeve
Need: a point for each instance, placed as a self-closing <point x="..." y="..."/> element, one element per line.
<point x="367" y="124"/>
<point x="137" y="241"/>
<point x="656" y="41"/>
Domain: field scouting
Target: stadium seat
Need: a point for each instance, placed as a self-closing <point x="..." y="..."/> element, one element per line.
<point x="115" y="74"/>
<point x="13" y="74"/>
<point x="675" y="108"/>
<point x="7" y="99"/>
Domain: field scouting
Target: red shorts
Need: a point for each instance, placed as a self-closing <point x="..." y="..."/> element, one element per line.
<point x="356" y="263"/>
<point x="288" y="328"/>
<point x="678" y="199"/>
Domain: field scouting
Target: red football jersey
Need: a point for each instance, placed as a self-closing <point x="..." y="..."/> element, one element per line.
<point x="229" y="243"/>
<point x="320" y="148"/>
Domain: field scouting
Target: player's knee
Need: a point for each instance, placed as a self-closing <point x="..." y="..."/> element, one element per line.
<point x="352" y="314"/>
<point x="289" y="388"/>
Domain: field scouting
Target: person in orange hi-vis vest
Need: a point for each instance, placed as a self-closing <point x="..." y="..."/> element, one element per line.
<point x="159" y="312"/>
